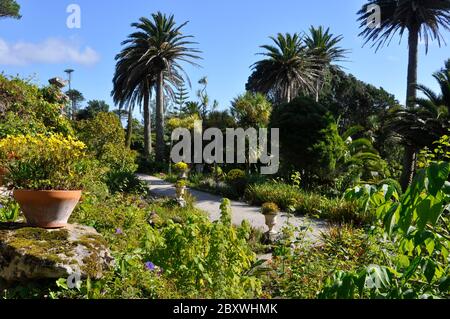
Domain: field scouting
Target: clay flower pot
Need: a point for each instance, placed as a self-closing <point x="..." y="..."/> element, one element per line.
<point x="47" y="209"/>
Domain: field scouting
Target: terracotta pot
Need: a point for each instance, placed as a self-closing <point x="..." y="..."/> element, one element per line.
<point x="47" y="209"/>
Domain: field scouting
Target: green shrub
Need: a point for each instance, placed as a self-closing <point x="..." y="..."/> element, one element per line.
<point x="269" y="208"/>
<point x="309" y="138"/>
<point x="9" y="210"/>
<point x="283" y="195"/>
<point x="302" y="272"/>
<point x="235" y="174"/>
<point x="186" y="254"/>
<point x="27" y="109"/>
<point x="207" y="260"/>
<point x="417" y="224"/>
<point x="105" y="139"/>
<point x="43" y="162"/>
<point x="126" y="182"/>
<point x="291" y="198"/>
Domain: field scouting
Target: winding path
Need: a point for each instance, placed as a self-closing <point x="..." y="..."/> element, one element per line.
<point x="240" y="211"/>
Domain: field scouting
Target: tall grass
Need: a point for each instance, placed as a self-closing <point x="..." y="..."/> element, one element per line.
<point x="289" y="197"/>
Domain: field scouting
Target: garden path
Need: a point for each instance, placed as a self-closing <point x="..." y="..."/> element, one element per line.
<point x="240" y="211"/>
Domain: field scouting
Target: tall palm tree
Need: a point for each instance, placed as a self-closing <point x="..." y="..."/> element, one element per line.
<point x="288" y="67"/>
<point x="325" y="46"/>
<point x="426" y="122"/>
<point x="131" y="88"/>
<point x="423" y="19"/>
<point x="126" y="94"/>
<point x="150" y="61"/>
<point x="160" y="46"/>
<point x="437" y="104"/>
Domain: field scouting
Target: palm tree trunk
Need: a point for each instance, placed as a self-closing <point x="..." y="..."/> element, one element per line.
<point x="160" y="118"/>
<point x="129" y="127"/>
<point x="147" y="124"/>
<point x="288" y="96"/>
<point x="410" y="156"/>
<point x="317" y="89"/>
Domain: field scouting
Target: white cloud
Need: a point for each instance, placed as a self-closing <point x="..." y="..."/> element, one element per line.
<point x="50" y="51"/>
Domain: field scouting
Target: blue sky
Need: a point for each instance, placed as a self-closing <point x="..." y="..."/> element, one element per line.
<point x="41" y="46"/>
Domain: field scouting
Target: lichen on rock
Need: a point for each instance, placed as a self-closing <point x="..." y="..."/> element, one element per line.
<point x="33" y="253"/>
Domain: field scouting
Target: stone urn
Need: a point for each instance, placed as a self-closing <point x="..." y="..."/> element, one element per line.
<point x="183" y="175"/>
<point x="47" y="209"/>
<point x="271" y="222"/>
<point x="270" y="212"/>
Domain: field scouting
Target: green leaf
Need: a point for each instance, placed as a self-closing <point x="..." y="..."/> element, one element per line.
<point x="62" y="283"/>
<point x="403" y="261"/>
<point x="429" y="245"/>
<point x="430" y="270"/>
<point x="437" y="176"/>
<point x="444" y="284"/>
<point x="411" y="269"/>
<point x="422" y="213"/>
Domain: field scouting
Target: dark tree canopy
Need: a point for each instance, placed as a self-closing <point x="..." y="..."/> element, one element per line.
<point x="9" y="9"/>
<point x="354" y="101"/>
<point x="309" y="139"/>
<point x="93" y="108"/>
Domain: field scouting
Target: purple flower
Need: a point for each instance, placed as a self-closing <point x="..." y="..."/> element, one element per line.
<point x="119" y="231"/>
<point x="150" y="266"/>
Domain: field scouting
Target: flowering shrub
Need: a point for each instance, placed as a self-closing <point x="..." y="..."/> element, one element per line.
<point x="181" y="167"/>
<point x="41" y="162"/>
<point x="269" y="208"/>
<point x="181" y="183"/>
<point x="28" y="109"/>
<point x="105" y="139"/>
<point x="235" y="174"/>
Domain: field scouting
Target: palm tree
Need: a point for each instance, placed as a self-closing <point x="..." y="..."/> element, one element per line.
<point x="324" y="45"/>
<point x="288" y="68"/>
<point x="149" y="60"/>
<point x="437" y="104"/>
<point x="423" y="20"/>
<point x="160" y="46"/>
<point x="429" y="119"/>
<point x="128" y="92"/>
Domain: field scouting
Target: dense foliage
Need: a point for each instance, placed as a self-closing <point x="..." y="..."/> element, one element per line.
<point x="44" y="162"/>
<point x="28" y="109"/>
<point x="309" y="139"/>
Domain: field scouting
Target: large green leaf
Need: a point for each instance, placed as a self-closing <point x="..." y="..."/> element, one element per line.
<point x="437" y="176"/>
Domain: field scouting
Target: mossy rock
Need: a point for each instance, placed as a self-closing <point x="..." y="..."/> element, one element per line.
<point x="33" y="253"/>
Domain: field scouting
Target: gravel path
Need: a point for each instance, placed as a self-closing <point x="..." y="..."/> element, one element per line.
<point x="240" y="211"/>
